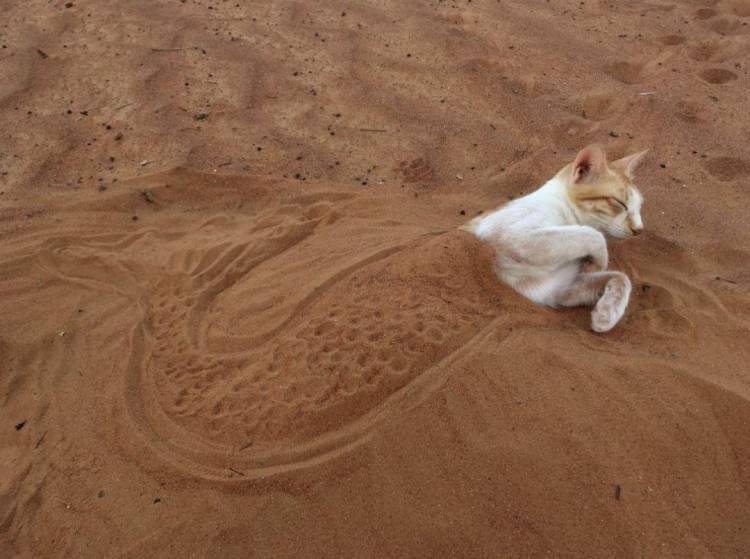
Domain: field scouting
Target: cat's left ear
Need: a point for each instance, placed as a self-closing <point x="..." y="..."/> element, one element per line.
<point x="629" y="163"/>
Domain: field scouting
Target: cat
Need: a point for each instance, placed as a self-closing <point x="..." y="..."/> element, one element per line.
<point x="550" y="245"/>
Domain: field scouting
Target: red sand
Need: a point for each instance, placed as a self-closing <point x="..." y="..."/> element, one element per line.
<point x="292" y="352"/>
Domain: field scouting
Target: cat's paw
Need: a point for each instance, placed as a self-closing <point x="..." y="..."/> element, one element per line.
<point x="612" y="304"/>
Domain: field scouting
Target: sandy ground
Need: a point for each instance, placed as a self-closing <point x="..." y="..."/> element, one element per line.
<point x="238" y="320"/>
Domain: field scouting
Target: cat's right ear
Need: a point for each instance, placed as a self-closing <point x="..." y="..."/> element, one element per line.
<point x="591" y="162"/>
<point x="629" y="163"/>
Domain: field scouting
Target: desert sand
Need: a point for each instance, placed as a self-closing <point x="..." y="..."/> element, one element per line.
<point x="238" y="319"/>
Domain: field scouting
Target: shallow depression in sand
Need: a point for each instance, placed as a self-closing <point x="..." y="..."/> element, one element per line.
<point x="718" y="75"/>
<point x="727" y="168"/>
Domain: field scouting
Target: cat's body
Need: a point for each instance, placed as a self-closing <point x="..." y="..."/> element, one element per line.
<point x="550" y="245"/>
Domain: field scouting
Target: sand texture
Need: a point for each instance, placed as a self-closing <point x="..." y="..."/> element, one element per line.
<point x="237" y="318"/>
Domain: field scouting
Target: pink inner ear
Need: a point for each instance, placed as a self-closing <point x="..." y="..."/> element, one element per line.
<point x="580" y="171"/>
<point x="590" y="162"/>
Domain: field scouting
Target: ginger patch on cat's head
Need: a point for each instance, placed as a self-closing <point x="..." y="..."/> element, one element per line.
<point x="603" y="195"/>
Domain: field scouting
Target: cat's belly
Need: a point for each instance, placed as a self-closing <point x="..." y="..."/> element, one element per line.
<point x="541" y="284"/>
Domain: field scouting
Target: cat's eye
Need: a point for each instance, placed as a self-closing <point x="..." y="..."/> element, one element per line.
<point x="621" y="203"/>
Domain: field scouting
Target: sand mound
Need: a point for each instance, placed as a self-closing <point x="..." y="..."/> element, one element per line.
<point x="239" y="319"/>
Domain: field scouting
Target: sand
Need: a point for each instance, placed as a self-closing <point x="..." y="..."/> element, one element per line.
<point x="238" y="319"/>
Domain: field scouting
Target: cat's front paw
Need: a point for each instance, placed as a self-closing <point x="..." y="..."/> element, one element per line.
<point x="612" y="304"/>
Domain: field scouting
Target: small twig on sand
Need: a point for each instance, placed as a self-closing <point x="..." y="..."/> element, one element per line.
<point x="645" y="93"/>
<point x="123" y="106"/>
<point x="372" y="130"/>
<point x="237" y="472"/>
<point x="39" y="442"/>
<point x="174" y="49"/>
<point x="223" y="164"/>
<point x="719" y="278"/>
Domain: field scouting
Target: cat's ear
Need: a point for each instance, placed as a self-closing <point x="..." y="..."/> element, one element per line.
<point x="629" y="163"/>
<point x="591" y="162"/>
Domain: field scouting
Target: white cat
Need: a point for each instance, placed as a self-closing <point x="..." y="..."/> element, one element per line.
<point x="550" y="245"/>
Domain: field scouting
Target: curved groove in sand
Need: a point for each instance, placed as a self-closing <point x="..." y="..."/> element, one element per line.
<point x="214" y="462"/>
<point x="202" y="459"/>
<point x="213" y="459"/>
<point x="242" y="343"/>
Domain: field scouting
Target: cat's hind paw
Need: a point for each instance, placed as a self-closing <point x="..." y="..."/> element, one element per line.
<point x="612" y="304"/>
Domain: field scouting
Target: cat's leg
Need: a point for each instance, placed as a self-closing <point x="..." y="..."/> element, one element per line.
<point x="610" y="291"/>
<point x="565" y="243"/>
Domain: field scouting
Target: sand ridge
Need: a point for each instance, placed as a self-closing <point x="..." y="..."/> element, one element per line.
<point x="239" y="319"/>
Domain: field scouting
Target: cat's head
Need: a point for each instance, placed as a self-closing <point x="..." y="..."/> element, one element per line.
<point x="603" y="194"/>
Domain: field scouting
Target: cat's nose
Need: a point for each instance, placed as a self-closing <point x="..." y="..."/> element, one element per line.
<point x="637" y="230"/>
